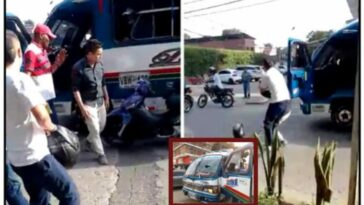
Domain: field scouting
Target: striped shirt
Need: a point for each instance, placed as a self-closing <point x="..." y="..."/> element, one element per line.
<point x="38" y="65"/>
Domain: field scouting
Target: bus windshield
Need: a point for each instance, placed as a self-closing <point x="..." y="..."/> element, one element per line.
<point x="205" y="167"/>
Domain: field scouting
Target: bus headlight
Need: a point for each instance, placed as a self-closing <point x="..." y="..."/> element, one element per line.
<point x="212" y="189"/>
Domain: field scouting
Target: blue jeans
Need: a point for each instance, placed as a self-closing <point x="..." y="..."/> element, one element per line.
<point x="48" y="175"/>
<point x="13" y="192"/>
<point x="54" y="116"/>
<point x="246" y="87"/>
<point x="274" y="114"/>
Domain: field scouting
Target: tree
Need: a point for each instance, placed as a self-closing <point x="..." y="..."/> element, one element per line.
<point x="318" y="35"/>
<point x="231" y="31"/>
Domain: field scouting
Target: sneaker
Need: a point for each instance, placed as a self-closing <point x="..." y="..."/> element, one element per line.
<point x="102" y="160"/>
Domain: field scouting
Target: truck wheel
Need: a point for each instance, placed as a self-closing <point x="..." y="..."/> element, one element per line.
<point x="342" y="116"/>
<point x="231" y="81"/>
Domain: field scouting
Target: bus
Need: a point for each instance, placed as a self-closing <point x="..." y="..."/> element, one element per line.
<point x="141" y="39"/>
<point x="225" y="176"/>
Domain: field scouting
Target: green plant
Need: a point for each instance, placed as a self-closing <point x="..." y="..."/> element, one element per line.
<point x="324" y="165"/>
<point x="264" y="199"/>
<point x="273" y="164"/>
<point x="198" y="59"/>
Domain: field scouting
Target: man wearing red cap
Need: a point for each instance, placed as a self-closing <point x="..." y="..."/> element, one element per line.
<point x="39" y="67"/>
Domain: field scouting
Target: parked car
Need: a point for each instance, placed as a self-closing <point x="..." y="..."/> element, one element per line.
<point x="229" y="76"/>
<point x="178" y="178"/>
<point x="254" y="70"/>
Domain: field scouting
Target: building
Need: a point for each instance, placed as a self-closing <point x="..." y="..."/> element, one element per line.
<point x="240" y="41"/>
<point x="185" y="153"/>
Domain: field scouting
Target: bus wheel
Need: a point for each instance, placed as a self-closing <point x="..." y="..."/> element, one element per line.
<point x="342" y="116"/>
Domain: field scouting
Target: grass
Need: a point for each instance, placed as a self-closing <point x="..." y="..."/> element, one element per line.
<point x="263" y="199"/>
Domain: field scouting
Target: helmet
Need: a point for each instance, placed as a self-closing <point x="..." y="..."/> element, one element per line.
<point x="238" y="130"/>
<point x="212" y="69"/>
<point x="143" y="87"/>
<point x="64" y="145"/>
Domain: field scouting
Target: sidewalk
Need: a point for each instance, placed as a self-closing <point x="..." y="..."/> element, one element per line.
<point x="95" y="183"/>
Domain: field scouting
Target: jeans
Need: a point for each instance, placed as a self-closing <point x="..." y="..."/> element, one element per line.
<point x="48" y="175"/>
<point x="246" y="87"/>
<point x="95" y="126"/>
<point x="273" y="116"/>
<point x="217" y="92"/>
<point x="13" y="192"/>
<point x="53" y="115"/>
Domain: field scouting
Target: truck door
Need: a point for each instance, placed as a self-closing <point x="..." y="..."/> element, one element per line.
<point x="237" y="181"/>
<point x="298" y="65"/>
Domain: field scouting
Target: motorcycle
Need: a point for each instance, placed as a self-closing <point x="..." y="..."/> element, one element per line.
<point x="226" y="97"/>
<point x="133" y="120"/>
<point x="188" y="99"/>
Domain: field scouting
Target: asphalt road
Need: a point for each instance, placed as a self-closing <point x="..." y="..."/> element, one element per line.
<point x="301" y="131"/>
<point x="140" y="172"/>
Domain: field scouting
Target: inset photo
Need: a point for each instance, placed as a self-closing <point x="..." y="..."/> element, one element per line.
<point x="218" y="170"/>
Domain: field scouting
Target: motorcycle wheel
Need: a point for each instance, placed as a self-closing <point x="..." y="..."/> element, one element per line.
<point x="227" y="101"/>
<point x="188" y="103"/>
<point x="109" y="134"/>
<point x="202" y="101"/>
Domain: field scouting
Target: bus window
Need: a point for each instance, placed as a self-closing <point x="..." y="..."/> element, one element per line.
<point x="65" y="32"/>
<point x="135" y="21"/>
<point x="154" y="23"/>
<point x="239" y="163"/>
<point x="192" y="167"/>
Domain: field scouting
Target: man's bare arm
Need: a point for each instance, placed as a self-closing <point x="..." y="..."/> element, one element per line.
<point x="41" y="115"/>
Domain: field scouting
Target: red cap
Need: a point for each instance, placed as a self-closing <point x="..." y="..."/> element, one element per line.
<point x="43" y="29"/>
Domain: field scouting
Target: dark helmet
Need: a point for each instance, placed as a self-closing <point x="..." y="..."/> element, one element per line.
<point x="238" y="130"/>
<point x="143" y="87"/>
<point x="64" y="146"/>
<point x="212" y="70"/>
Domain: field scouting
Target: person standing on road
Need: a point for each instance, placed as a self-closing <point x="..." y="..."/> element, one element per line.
<point x="91" y="95"/>
<point x="274" y="84"/>
<point x="246" y="77"/>
<point x="39" y="67"/>
<point x="27" y="122"/>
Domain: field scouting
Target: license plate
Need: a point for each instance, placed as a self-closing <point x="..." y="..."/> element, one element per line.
<point x="129" y="80"/>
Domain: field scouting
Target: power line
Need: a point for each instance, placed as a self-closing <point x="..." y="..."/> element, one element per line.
<point x="226" y="10"/>
<point x="214" y="6"/>
<point x="191" y="2"/>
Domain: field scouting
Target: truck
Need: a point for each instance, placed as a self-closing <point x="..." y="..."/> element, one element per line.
<point x="324" y="81"/>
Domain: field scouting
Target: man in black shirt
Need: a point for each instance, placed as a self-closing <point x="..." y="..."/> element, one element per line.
<point x="91" y="95"/>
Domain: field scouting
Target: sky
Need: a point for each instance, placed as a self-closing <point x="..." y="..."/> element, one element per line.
<point x="268" y="23"/>
<point x="36" y="10"/>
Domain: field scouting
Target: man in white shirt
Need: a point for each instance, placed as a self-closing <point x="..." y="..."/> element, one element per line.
<point x="274" y="85"/>
<point x="27" y="122"/>
<point x="216" y="82"/>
